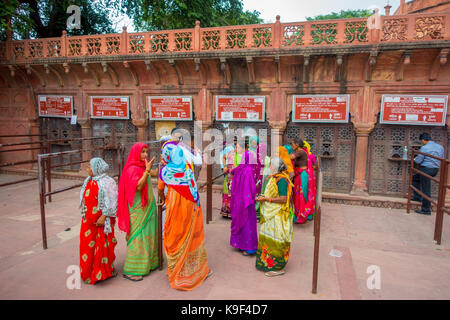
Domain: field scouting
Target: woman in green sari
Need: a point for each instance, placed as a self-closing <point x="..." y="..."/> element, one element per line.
<point x="275" y="235"/>
<point x="137" y="214"/>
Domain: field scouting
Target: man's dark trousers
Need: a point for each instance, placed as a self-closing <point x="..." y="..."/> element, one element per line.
<point x="424" y="184"/>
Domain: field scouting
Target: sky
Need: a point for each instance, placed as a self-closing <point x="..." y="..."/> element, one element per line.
<point x="293" y="10"/>
<point x="298" y="10"/>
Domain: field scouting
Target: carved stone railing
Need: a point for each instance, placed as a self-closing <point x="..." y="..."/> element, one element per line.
<point x="342" y="32"/>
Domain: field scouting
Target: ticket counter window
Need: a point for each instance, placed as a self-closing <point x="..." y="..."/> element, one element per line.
<point x="335" y="145"/>
<point x="60" y="128"/>
<point x="389" y="160"/>
<point x="115" y="132"/>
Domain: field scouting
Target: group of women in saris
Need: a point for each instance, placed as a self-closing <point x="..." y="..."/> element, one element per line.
<point x="134" y="205"/>
<point x="277" y="191"/>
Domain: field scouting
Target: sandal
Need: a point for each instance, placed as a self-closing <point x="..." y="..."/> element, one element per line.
<point x="130" y="278"/>
<point x="274" y="273"/>
<point x="209" y="274"/>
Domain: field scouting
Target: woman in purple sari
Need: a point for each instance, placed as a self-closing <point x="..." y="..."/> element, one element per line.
<point x="244" y="234"/>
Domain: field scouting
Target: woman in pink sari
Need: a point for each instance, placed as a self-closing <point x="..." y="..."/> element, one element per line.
<point x="304" y="182"/>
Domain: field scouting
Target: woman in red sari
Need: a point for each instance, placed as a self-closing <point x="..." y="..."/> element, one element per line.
<point x="98" y="203"/>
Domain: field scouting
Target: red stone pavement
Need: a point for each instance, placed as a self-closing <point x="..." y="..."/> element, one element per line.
<point x="411" y="265"/>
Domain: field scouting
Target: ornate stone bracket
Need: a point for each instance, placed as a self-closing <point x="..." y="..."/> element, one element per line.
<point x="339" y="67"/>
<point x="251" y="69"/>
<point x="86" y="69"/>
<point x="225" y="68"/>
<point x="277" y="69"/>
<point x="59" y="77"/>
<point x="202" y="69"/>
<point x="405" y="59"/>
<point x="370" y="65"/>
<point x="174" y="65"/>
<point x="439" y="61"/>
<point x="67" y="70"/>
<point x="306" y="69"/>
<point x="153" y="70"/>
<point x="12" y="70"/>
<point x="25" y="76"/>
<point x="107" y="68"/>
<point x="31" y="70"/>
<point x="132" y="72"/>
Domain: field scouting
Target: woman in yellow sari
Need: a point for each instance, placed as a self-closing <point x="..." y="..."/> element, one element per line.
<point x="184" y="239"/>
<point x="275" y="235"/>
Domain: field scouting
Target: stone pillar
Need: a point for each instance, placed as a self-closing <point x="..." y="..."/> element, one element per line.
<point x="277" y="129"/>
<point x="205" y="125"/>
<point x="141" y="124"/>
<point x="363" y="131"/>
<point x="86" y="131"/>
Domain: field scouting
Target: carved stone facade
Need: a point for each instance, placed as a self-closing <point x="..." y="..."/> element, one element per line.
<point x="407" y="55"/>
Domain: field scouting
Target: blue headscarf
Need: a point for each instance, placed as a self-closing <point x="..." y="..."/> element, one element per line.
<point x="178" y="173"/>
<point x="224" y="152"/>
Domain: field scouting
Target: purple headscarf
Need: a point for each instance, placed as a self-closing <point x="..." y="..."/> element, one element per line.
<point x="243" y="191"/>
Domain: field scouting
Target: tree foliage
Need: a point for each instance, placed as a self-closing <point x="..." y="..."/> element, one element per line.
<point x="343" y="14"/>
<point x="48" y="18"/>
<point x="179" y="14"/>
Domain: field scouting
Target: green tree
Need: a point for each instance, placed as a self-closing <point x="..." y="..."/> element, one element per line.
<point x="343" y="14"/>
<point x="48" y="18"/>
<point x="178" y="14"/>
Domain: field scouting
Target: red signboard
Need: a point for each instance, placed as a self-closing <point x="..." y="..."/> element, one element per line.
<point x="414" y="110"/>
<point x="55" y="106"/>
<point x="321" y="108"/>
<point x="110" y="107"/>
<point x="241" y="108"/>
<point x="170" y="108"/>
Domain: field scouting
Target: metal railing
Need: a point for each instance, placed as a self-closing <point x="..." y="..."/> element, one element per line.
<point x="44" y="164"/>
<point x="442" y="190"/>
<point x="41" y="144"/>
<point x="317" y="218"/>
<point x="49" y="166"/>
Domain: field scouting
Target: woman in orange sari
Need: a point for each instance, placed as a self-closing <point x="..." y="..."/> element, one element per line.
<point x="183" y="229"/>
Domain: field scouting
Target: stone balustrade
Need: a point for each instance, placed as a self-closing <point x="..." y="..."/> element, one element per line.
<point x="279" y="36"/>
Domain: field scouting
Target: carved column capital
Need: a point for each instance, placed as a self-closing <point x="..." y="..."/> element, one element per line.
<point x="278" y="125"/>
<point x="364" y="129"/>
<point x="140" y="123"/>
<point x="85" y="123"/>
<point x="205" y="125"/>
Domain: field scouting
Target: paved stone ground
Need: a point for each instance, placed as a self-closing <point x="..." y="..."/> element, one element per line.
<point x="411" y="265"/>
